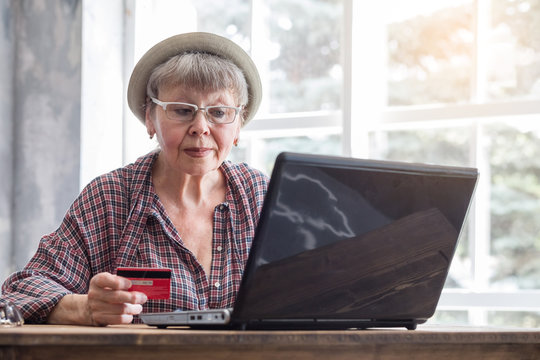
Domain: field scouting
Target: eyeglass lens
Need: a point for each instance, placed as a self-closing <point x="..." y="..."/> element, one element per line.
<point x="215" y="114"/>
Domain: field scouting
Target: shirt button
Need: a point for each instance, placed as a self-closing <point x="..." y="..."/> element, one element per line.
<point x="221" y="207"/>
<point x="217" y="284"/>
<point x="219" y="248"/>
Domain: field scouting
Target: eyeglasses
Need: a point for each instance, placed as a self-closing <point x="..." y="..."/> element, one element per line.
<point x="10" y="315"/>
<point x="184" y="112"/>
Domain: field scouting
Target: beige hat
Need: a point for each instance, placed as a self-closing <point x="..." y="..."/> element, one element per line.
<point x="196" y="41"/>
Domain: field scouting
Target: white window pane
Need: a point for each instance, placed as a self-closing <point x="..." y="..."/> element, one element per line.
<point x="514" y="152"/>
<point x="436" y="145"/>
<point x="513" y="59"/>
<point x="450" y="317"/>
<point x="528" y="319"/>
<point x="267" y="149"/>
<point x="301" y="51"/>
<point x="430" y="52"/>
<point x="230" y="19"/>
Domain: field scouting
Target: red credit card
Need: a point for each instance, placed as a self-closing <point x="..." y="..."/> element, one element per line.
<point x="155" y="283"/>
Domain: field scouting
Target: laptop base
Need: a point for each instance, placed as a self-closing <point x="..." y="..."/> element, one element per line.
<point x="305" y="324"/>
<point x="326" y="324"/>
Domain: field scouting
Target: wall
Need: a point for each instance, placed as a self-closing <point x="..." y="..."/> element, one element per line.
<point x="40" y="88"/>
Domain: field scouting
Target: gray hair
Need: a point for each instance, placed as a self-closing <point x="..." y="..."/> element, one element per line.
<point x="201" y="71"/>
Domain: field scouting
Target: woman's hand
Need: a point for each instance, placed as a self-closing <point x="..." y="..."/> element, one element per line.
<point x="107" y="302"/>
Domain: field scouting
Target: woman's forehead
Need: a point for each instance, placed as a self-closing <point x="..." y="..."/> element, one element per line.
<point x="186" y="94"/>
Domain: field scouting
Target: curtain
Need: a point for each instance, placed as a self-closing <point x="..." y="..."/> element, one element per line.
<point x="40" y="102"/>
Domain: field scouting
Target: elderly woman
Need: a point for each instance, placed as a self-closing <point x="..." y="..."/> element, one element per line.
<point x="181" y="207"/>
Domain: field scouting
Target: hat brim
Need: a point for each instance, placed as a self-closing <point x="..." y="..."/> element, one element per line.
<point x="200" y="42"/>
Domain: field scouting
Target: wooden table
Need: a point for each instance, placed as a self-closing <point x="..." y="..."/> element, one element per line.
<point x="142" y="342"/>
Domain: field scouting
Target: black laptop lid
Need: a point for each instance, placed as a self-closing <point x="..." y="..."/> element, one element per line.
<point x="343" y="238"/>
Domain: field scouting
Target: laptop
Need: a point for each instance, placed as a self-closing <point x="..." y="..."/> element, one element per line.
<point x="345" y="243"/>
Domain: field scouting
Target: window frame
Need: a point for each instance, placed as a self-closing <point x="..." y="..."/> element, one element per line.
<point x="479" y="299"/>
<point x="361" y="86"/>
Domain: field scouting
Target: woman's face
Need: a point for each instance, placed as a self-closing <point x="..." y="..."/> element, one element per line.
<point x="196" y="147"/>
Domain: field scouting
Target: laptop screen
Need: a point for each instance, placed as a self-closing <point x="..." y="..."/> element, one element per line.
<point x="354" y="239"/>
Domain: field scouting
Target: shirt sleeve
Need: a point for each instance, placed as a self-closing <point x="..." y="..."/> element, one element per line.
<point x="57" y="268"/>
<point x="65" y="260"/>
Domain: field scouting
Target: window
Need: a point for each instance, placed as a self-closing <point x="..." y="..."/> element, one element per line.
<point x="462" y="89"/>
<point x="453" y="82"/>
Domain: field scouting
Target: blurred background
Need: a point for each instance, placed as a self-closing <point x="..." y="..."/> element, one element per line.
<point x="452" y="82"/>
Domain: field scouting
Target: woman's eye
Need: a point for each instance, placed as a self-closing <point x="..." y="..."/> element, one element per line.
<point x="218" y="112"/>
<point x="182" y="111"/>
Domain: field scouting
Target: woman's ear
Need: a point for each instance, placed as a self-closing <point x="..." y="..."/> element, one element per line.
<point x="148" y="120"/>
<point x="237" y="134"/>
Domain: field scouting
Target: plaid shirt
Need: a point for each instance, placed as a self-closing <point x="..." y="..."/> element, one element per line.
<point x="118" y="220"/>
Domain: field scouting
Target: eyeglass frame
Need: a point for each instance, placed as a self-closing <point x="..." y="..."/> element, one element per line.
<point x="164" y="104"/>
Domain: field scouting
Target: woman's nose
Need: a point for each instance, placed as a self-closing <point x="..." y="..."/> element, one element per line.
<point x="199" y="124"/>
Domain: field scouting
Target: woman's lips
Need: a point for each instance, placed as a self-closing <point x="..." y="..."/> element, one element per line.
<point x="197" y="151"/>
